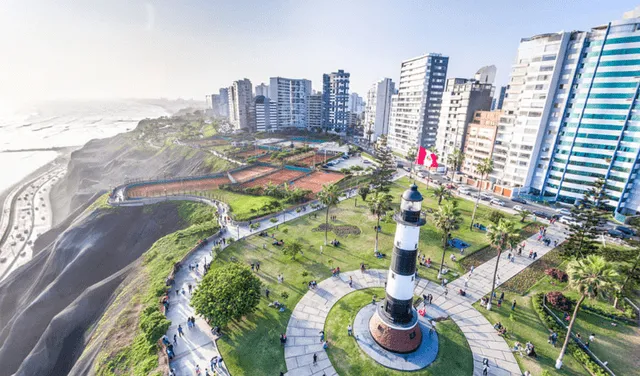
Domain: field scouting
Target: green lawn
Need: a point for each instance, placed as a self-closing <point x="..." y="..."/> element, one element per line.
<point x="251" y="346"/>
<point x="523" y="325"/>
<point x="244" y="207"/>
<point x="454" y="354"/>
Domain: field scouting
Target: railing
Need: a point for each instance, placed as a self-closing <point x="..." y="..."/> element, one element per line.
<point x="576" y="339"/>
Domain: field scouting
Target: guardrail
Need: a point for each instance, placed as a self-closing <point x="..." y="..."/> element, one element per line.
<point x="576" y="339"/>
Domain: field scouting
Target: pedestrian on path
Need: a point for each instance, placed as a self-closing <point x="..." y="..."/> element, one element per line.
<point x="321" y="336"/>
<point x="180" y="332"/>
<point x="472" y="268"/>
<point x="190" y="287"/>
<point x="446" y="292"/>
<point x="315" y="359"/>
<point x="175" y="339"/>
<point x="350" y="281"/>
<point x="513" y="305"/>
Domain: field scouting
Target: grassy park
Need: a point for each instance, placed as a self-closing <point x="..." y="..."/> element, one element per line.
<point x="251" y="346"/>
<point x="454" y="355"/>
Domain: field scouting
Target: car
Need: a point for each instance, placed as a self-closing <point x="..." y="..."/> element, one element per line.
<point x="485" y="197"/>
<point x="617" y="234"/>
<point x="564" y="211"/>
<point x="626" y="230"/>
<point x="542" y="214"/>
<point x="366" y="161"/>
<point x="495" y="201"/>
<point x="519" y="208"/>
<point x="519" y="200"/>
<point x="421" y="175"/>
<point x="567" y="220"/>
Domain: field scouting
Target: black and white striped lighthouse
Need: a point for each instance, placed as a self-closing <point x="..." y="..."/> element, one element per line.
<point x="394" y="326"/>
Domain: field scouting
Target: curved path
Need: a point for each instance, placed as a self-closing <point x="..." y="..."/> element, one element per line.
<point x="310" y="314"/>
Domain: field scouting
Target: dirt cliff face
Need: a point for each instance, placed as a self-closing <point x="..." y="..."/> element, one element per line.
<point x="48" y="306"/>
<point x="103" y="164"/>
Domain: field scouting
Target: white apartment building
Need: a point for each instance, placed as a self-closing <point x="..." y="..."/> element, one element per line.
<point x="378" y="108"/>
<point x="266" y="114"/>
<point x="415" y="110"/>
<point x="241" y="105"/>
<point x="461" y="99"/>
<point x="526" y="111"/>
<point x="262" y="89"/>
<point x="290" y="96"/>
<point x="314" y="111"/>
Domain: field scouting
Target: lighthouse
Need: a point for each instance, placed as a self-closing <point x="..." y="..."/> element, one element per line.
<point x="394" y="325"/>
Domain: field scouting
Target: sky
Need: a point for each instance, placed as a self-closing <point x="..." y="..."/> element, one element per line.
<point x="99" y="49"/>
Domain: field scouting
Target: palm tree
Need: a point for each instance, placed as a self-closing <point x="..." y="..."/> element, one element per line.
<point x="379" y="206"/>
<point x="446" y="219"/>
<point x="524" y="213"/>
<point x="441" y="192"/>
<point x="411" y="155"/>
<point x="328" y="197"/>
<point x="592" y="276"/>
<point x="501" y="236"/>
<point x="455" y="159"/>
<point x="483" y="168"/>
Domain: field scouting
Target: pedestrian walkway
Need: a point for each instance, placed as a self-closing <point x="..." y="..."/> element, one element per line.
<point x="310" y="314"/>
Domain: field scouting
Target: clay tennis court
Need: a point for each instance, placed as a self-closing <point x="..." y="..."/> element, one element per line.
<point x="251" y="172"/>
<point x="265" y="158"/>
<point x="316" y="180"/>
<point x="277" y="178"/>
<point x="308" y="161"/>
<point x="151" y="190"/>
<point x="250" y="153"/>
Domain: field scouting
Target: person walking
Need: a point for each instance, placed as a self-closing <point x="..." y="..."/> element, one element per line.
<point x="266" y="292"/>
<point x="180" y="332"/>
<point x="175" y="339"/>
<point x="190" y="287"/>
<point x="349" y="330"/>
<point x="446" y="292"/>
<point x="513" y="305"/>
<point x="350" y="281"/>
<point x="315" y="359"/>
<point x="321" y="335"/>
<point x="257" y="266"/>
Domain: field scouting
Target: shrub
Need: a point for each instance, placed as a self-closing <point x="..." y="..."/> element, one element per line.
<point x="273" y="220"/>
<point x="153" y="324"/>
<point x="495" y="216"/>
<point x="557" y="274"/>
<point x="558" y="301"/>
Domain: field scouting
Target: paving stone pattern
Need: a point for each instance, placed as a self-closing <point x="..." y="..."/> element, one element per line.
<point x="310" y="314"/>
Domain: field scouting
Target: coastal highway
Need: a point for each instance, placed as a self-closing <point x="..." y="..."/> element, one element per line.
<point x="26" y="214"/>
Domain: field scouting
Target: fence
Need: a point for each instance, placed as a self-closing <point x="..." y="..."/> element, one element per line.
<point x="575" y="339"/>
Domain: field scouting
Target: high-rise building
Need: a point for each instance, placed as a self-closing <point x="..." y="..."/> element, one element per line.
<point x="241" y="105"/>
<point x="571" y="117"/>
<point x="356" y="104"/>
<point x="262" y="89"/>
<point x="218" y="104"/>
<point x="461" y="99"/>
<point x="266" y="114"/>
<point x="497" y="102"/>
<point x="415" y="110"/>
<point x="378" y="107"/>
<point x="314" y="111"/>
<point x="335" y="100"/>
<point x="486" y="74"/>
<point x="479" y="141"/>
<point x="290" y="96"/>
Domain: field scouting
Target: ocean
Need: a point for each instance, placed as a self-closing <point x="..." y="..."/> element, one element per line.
<point x="61" y="124"/>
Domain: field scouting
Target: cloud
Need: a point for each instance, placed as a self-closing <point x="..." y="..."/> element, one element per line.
<point x="151" y="16"/>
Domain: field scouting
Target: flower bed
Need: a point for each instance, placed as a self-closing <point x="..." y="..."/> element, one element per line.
<point x="524" y="280"/>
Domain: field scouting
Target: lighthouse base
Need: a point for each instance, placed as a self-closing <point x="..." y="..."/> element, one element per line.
<point x="396" y="338"/>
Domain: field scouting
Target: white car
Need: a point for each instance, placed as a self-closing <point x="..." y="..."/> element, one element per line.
<point x="496" y="202"/>
<point x="569" y="221"/>
<point x="564" y="211"/>
<point x="519" y="208"/>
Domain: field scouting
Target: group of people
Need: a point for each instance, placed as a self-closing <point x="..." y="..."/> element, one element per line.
<point x="335" y="272"/>
<point x="502" y="330"/>
<point x="425" y="261"/>
<point x="335" y="242"/>
<point x="312" y="284"/>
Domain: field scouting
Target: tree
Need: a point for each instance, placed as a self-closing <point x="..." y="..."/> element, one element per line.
<point x="524" y="213"/>
<point x="364" y="192"/>
<point x="628" y="259"/>
<point x="501" y="236"/>
<point x="589" y="216"/>
<point x="328" y="197"/>
<point x="379" y="206"/>
<point x="495" y="216"/>
<point x="441" y="192"/>
<point x="446" y="220"/>
<point x="411" y="155"/>
<point x="292" y="249"/>
<point x="592" y="277"/>
<point x="370" y="132"/>
<point x="227" y="294"/>
<point x="455" y="160"/>
<point x="484" y="168"/>
<point x="382" y="173"/>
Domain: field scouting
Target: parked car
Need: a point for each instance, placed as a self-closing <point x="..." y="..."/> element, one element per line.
<point x="518" y="208"/>
<point x="421" y="175"/>
<point x="519" y="200"/>
<point x="626" y="230"/>
<point x="495" y="201"/>
<point x="542" y="214"/>
<point x="564" y="211"/>
<point x="568" y="220"/>
<point x="617" y="234"/>
<point x="486" y="197"/>
<point x="366" y="161"/>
